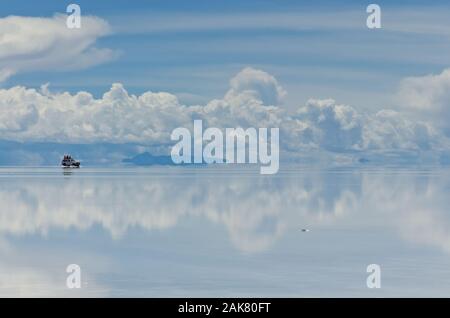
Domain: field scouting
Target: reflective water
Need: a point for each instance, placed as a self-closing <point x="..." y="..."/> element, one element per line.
<point x="224" y="232"/>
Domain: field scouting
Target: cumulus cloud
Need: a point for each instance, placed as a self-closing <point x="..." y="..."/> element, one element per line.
<point x="258" y="84"/>
<point x="253" y="100"/>
<point x="329" y="125"/>
<point x="32" y="44"/>
<point x="392" y="130"/>
<point x="118" y="117"/>
<point x="428" y="97"/>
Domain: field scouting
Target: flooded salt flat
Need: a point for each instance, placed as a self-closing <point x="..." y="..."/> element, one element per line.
<point x="172" y="231"/>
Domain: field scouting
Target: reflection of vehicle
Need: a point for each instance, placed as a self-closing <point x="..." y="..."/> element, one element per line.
<point x="68" y="161"/>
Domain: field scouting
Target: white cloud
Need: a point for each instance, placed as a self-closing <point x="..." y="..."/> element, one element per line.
<point x="253" y="100"/>
<point x="329" y="125"/>
<point x="5" y="73"/>
<point x="324" y="124"/>
<point x="118" y="117"/>
<point x="392" y="130"/>
<point x="257" y="84"/>
<point x="428" y="97"/>
<point x="33" y="44"/>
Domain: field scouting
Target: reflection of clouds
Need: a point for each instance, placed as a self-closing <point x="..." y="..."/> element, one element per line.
<point x="416" y="205"/>
<point x="255" y="210"/>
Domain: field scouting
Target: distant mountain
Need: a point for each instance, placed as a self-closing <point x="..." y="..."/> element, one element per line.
<point x="49" y="154"/>
<point x="363" y="160"/>
<point x="13" y="153"/>
<point x="147" y="159"/>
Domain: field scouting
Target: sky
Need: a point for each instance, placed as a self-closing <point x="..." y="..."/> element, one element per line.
<point x="192" y="48"/>
<point x="315" y="58"/>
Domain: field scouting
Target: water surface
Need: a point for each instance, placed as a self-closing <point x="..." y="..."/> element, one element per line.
<point x="177" y="231"/>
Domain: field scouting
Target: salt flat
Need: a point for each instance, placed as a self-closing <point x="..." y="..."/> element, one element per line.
<point x="178" y="231"/>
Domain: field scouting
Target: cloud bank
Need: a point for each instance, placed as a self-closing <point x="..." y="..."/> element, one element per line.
<point x="254" y="99"/>
<point x="429" y="97"/>
<point x="42" y="44"/>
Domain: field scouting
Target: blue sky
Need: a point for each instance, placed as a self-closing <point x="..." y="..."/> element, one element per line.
<point x="315" y="49"/>
<point x="144" y="66"/>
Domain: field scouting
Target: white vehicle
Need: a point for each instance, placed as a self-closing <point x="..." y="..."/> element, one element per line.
<point x="68" y="161"/>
